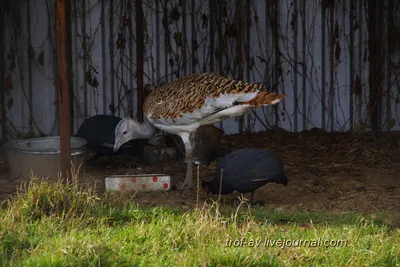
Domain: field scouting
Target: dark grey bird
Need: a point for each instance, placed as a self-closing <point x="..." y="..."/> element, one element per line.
<point x="99" y="132"/>
<point x="244" y="171"/>
<point x="207" y="145"/>
<point x="207" y="140"/>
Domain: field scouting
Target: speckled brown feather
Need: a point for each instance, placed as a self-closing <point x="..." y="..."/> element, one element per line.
<point x="189" y="93"/>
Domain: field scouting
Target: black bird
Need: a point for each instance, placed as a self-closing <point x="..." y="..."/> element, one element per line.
<point x="245" y="170"/>
<point x="99" y="132"/>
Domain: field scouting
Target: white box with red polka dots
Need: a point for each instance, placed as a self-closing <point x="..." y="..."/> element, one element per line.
<point x="138" y="182"/>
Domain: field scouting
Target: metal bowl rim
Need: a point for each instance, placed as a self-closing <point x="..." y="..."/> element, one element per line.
<point x="8" y="146"/>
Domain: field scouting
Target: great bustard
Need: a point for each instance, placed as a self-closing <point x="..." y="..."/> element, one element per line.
<point x="182" y="106"/>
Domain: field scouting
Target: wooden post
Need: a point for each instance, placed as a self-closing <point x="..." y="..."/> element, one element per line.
<point x="376" y="63"/>
<point x="139" y="63"/>
<point x="2" y="88"/>
<point x="63" y="89"/>
<point x="139" y="58"/>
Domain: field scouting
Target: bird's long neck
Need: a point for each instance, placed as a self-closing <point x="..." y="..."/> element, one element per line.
<point x="144" y="130"/>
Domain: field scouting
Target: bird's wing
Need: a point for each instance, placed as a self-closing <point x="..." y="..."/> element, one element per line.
<point x="269" y="169"/>
<point x="260" y="180"/>
<point x="112" y="145"/>
<point x="198" y="96"/>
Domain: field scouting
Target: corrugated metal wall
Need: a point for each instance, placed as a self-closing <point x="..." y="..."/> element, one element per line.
<point x="314" y="51"/>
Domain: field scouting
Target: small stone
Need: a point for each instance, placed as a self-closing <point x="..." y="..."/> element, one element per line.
<point x="280" y="209"/>
<point x="185" y="207"/>
<point x="359" y="188"/>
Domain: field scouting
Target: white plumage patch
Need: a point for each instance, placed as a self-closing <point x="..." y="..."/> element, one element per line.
<point x="275" y="101"/>
<point x="211" y="105"/>
<point x="259" y="180"/>
<point x="108" y="145"/>
<point x="248" y="96"/>
<point x="223" y="114"/>
<point x="223" y="101"/>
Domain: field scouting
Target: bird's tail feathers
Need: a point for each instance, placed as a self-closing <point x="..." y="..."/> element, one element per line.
<point x="265" y="98"/>
<point x="281" y="178"/>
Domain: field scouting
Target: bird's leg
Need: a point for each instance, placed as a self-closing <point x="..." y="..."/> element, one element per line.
<point x="188" y="141"/>
<point x="251" y="199"/>
<point x="189" y="171"/>
<point x="109" y="163"/>
<point x="260" y="202"/>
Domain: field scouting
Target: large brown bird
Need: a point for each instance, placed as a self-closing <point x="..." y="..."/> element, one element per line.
<point x="182" y="106"/>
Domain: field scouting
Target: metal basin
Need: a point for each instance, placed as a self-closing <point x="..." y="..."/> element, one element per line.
<point x="40" y="157"/>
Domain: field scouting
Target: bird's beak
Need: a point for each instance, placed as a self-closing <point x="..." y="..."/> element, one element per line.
<point x="116" y="147"/>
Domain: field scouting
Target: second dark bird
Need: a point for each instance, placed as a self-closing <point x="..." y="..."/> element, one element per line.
<point x="99" y="132"/>
<point x="246" y="170"/>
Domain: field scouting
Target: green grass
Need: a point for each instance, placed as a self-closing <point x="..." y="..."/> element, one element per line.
<point x="56" y="225"/>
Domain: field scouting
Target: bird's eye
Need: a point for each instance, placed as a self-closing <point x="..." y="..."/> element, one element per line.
<point x="124" y="132"/>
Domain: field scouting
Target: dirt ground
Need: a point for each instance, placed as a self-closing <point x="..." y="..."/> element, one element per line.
<point x="338" y="172"/>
